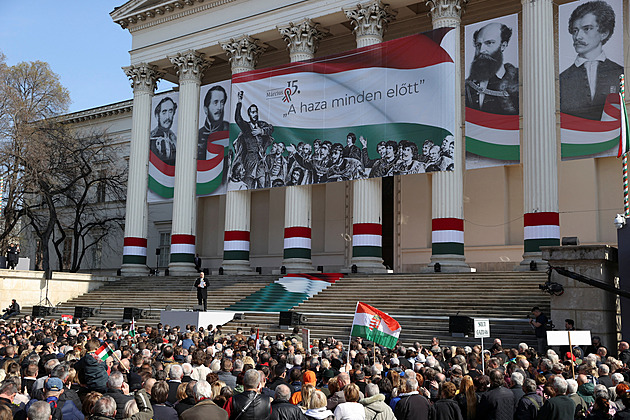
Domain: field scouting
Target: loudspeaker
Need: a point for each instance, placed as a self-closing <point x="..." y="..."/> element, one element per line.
<point x="197" y="308"/>
<point x="570" y="240"/>
<point x="290" y="318"/>
<point x="460" y="325"/>
<point x="83" y="312"/>
<point x="129" y="313"/>
<point x="40" y="311"/>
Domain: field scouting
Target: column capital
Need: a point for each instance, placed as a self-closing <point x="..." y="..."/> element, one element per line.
<point x="243" y="52"/>
<point x="190" y="64"/>
<point x="369" y="20"/>
<point x="302" y="38"/>
<point x="143" y="77"/>
<point x="446" y="12"/>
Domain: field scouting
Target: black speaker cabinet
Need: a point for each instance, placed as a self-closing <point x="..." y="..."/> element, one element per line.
<point x="460" y="325"/>
<point x="41" y="311"/>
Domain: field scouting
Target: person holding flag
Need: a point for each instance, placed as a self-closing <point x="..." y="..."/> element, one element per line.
<point x="92" y="366"/>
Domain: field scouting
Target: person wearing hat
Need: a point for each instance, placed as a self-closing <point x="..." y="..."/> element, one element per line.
<point x="327" y="375"/>
<point x="60" y="407"/>
<point x="308" y="378"/>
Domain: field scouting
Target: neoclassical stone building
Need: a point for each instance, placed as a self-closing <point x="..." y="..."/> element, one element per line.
<point x="490" y="218"/>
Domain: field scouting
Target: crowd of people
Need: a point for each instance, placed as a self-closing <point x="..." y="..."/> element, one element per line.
<point x="52" y="370"/>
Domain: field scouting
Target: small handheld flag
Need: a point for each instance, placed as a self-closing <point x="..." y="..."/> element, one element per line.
<point x="375" y="325"/>
<point x="104" y="352"/>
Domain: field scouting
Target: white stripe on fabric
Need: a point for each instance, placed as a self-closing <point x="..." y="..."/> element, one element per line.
<point x="587" y="137"/>
<point x="135" y="250"/>
<point x="302" y="285"/>
<point x="438" y="236"/>
<point x="542" y="232"/>
<point x="182" y="249"/>
<point x="209" y="175"/>
<point x="297" y="242"/>
<point x="364" y="319"/>
<point x="160" y="177"/>
<point x="367" y="240"/>
<point x="492" y="135"/>
<point x="236" y="245"/>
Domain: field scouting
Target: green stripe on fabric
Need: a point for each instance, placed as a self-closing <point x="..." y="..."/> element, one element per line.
<point x="183" y="258"/>
<point x="297" y="253"/>
<point x="374" y="335"/>
<point x="271" y="298"/>
<point x="236" y="255"/>
<point x="533" y="245"/>
<point x="441" y="248"/>
<point x="159" y="189"/>
<point x="134" y="259"/>
<point x="493" y="151"/>
<point x="210" y="186"/>
<point x="367" y="251"/>
<point x="575" y="150"/>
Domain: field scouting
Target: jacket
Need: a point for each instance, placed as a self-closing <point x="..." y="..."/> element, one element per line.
<point x="496" y="404"/>
<point x="228" y="378"/>
<point x="258" y="409"/>
<point x="557" y="408"/>
<point x="376" y="409"/>
<point x="586" y="391"/>
<point x="528" y="406"/>
<point x="284" y="410"/>
<point x="164" y="412"/>
<point x="204" y="410"/>
<point x="121" y="400"/>
<point x="446" y="409"/>
<point x="412" y="406"/>
<point x="94" y="372"/>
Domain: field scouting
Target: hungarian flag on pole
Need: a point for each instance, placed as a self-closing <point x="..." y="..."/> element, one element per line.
<point x="257" y="339"/>
<point x="374" y="325"/>
<point x="624" y="137"/>
<point x="132" y="330"/>
<point x="104" y="352"/>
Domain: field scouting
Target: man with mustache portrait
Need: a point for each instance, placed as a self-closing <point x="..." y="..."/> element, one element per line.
<point x="163" y="140"/>
<point x="585" y="85"/>
<point x="492" y="86"/>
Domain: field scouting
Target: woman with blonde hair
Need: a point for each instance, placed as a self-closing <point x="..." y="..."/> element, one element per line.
<point x="467" y="398"/>
<point x="317" y="407"/>
<point x="351" y="409"/>
<point x="307" y="391"/>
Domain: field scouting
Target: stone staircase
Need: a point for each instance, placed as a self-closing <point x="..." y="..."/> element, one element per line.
<point x="421" y="303"/>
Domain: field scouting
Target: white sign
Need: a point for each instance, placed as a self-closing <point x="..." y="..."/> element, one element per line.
<point x="482" y="328"/>
<point x="561" y="338"/>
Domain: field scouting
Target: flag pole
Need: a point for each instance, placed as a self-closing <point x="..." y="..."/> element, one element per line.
<point x="623" y="146"/>
<point x="117" y="358"/>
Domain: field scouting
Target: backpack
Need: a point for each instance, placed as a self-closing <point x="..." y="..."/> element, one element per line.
<point x="55" y="409"/>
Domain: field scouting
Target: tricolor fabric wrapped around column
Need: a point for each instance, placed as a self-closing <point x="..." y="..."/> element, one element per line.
<point x="183" y="249"/>
<point x="297" y="242"/>
<point x="367" y="240"/>
<point x="541" y="229"/>
<point x="447" y="236"/>
<point x="236" y="245"/>
<point x="135" y="251"/>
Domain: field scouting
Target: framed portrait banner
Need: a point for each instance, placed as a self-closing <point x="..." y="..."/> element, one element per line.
<point x="163" y="146"/>
<point x="376" y="111"/>
<point x="590" y="43"/>
<point x="491" y="93"/>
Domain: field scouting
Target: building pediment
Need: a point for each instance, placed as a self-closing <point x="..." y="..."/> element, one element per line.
<point x="139" y="14"/>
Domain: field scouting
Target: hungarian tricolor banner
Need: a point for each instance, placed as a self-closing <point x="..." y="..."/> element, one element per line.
<point x="132" y="329"/>
<point x="104" y="352"/>
<point x="381" y="110"/>
<point x="624" y="137"/>
<point x="375" y="325"/>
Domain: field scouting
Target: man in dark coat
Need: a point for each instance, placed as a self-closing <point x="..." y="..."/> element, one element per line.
<point x="249" y="404"/>
<point x="281" y="408"/>
<point x="498" y="402"/>
<point x="13" y="253"/>
<point x="8" y="391"/>
<point x="204" y="409"/>
<point x="202" y="291"/>
<point x="116" y="389"/>
<point x="559" y="407"/>
<point x="412" y="405"/>
<point x="12" y="310"/>
<point x="529" y="404"/>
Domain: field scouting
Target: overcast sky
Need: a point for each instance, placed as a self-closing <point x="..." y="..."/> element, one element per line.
<point x="78" y="39"/>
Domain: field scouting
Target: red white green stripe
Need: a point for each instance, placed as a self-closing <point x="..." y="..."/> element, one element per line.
<point x="182" y="248"/>
<point x="132" y="330"/>
<point x="135" y="251"/>
<point x="297" y="242"/>
<point x="367" y="240"/>
<point x="624" y="137"/>
<point x="236" y="245"/>
<point x="104" y="352"/>
<point x="375" y="325"/>
<point x="447" y="236"/>
<point x="492" y="136"/>
<point x="541" y="229"/>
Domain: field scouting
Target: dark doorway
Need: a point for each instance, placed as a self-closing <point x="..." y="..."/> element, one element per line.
<point x="388" y="221"/>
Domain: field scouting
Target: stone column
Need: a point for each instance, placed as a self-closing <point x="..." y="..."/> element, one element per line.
<point x="369" y="21"/>
<point x="447" y="194"/>
<point x="190" y="66"/>
<point x="143" y="80"/>
<point x="243" y="54"/>
<point x="302" y="39"/>
<point x="540" y="150"/>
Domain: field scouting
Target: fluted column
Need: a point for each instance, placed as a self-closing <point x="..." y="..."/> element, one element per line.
<point x="143" y="80"/>
<point x="369" y="21"/>
<point x="540" y="153"/>
<point x="190" y="66"/>
<point x="447" y="195"/>
<point x="302" y="39"/>
<point x="243" y="54"/>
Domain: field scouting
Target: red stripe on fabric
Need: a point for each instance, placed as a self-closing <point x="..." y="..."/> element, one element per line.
<point x="410" y="52"/>
<point x="391" y="323"/>
<point x="570" y="122"/>
<point x="327" y="277"/>
<point x="486" y="119"/>
<point x="236" y="235"/>
<point x="161" y="166"/>
<point x="297" y="232"/>
<point x="131" y="241"/>
<point x="183" y="239"/>
<point x="367" y="229"/>
<point x="543" y="218"/>
<point x="216" y="149"/>
<point x="447" y="223"/>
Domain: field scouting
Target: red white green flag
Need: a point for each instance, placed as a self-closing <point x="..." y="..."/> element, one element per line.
<point x="624" y="138"/>
<point x="375" y="325"/>
<point x="132" y="330"/>
<point x="104" y="352"/>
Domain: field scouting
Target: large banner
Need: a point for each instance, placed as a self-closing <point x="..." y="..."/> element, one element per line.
<point x="212" y="142"/>
<point x="492" y="93"/>
<point x="381" y="110"/>
<point x="590" y="39"/>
